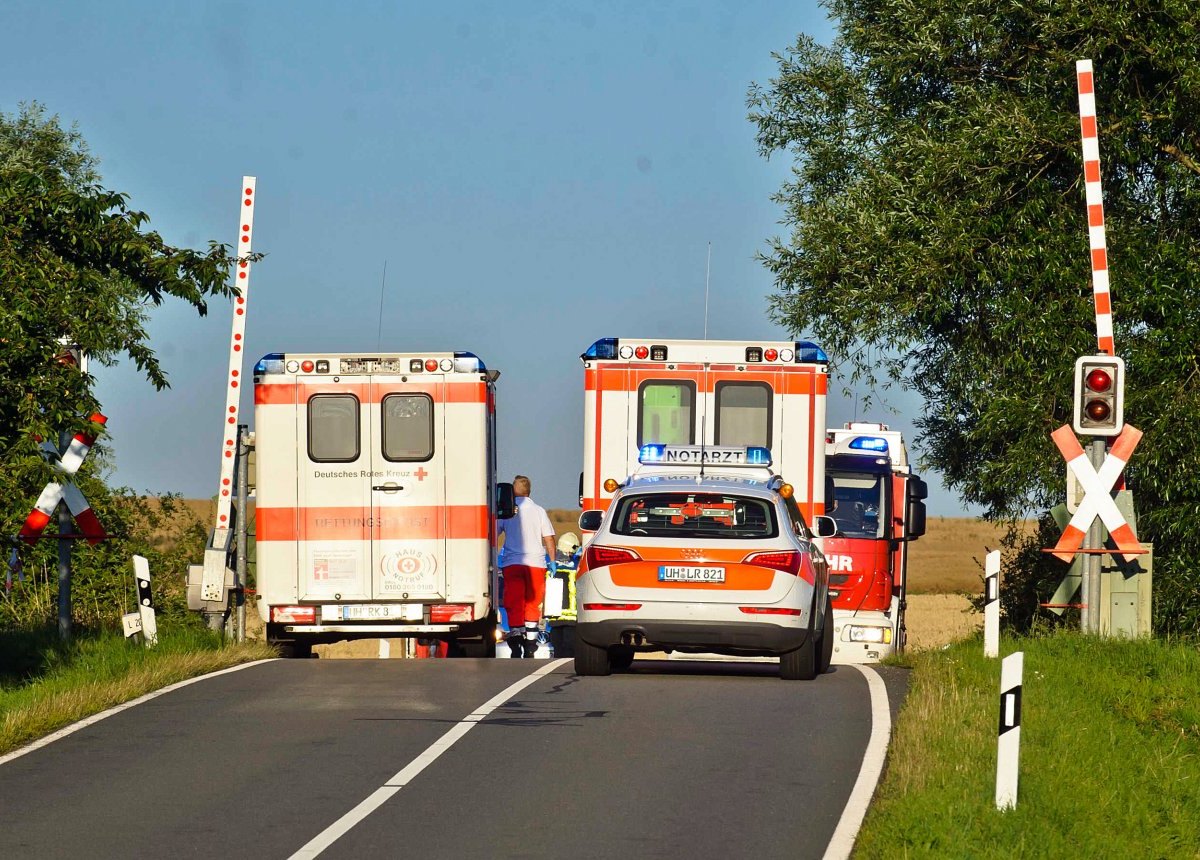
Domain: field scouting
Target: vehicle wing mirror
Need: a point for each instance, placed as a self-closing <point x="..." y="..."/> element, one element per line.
<point x="590" y="521"/>
<point x="917" y="489"/>
<point x="824" y="527"/>
<point x="506" y="502"/>
<point x="916" y="519"/>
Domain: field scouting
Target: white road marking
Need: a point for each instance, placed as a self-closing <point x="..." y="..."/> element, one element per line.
<point x="868" y="775"/>
<point x="95" y="718"/>
<point x="380" y="796"/>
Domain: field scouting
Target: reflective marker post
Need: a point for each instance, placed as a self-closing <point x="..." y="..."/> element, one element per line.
<point x="1008" y="746"/>
<point x="991" y="605"/>
<point x="141" y="573"/>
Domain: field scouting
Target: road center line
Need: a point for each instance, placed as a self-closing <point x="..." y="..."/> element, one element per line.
<point x="380" y="796"/>
<point x="843" y="838"/>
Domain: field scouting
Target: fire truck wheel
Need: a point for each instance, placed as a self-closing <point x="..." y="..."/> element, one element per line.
<point x="621" y="656"/>
<point x="591" y="659"/>
<point x="825" y="654"/>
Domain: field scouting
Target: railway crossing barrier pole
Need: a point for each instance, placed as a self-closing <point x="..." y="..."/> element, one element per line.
<point x="1008" y="742"/>
<point x="1095" y="541"/>
<point x="991" y="605"/>
<point x="141" y="573"/>
<point x="64" y="569"/>
<point x="243" y="492"/>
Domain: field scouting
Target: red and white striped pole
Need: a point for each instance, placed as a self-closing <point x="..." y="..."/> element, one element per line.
<point x="1095" y="206"/>
<point x="233" y="379"/>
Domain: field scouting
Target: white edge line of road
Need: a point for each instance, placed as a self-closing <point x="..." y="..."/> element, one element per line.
<point x="116" y="709"/>
<point x="380" y="796"/>
<point x="842" y="842"/>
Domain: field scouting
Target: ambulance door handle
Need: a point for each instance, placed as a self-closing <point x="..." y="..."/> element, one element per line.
<point x="389" y="487"/>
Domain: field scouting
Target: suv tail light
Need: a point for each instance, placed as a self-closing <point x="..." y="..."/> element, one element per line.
<point x="445" y="613"/>
<point x="787" y="560"/>
<point x="294" y="614"/>
<point x="603" y="556"/>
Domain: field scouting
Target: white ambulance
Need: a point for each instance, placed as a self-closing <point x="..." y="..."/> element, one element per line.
<point x="639" y="391"/>
<point x="376" y="497"/>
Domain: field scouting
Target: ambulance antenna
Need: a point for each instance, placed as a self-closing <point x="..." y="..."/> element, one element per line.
<point x="382" y="287"/>
<point x="707" y="273"/>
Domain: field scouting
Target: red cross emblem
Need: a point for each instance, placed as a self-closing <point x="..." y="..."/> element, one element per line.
<point x="421" y="473"/>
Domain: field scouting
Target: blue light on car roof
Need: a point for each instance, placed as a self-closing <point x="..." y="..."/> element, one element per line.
<point x="869" y="443"/>
<point x="758" y="456"/>
<point x="605" y="348"/>
<point x="807" y="351"/>
<point x="272" y="362"/>
<point x="651" y="453"/>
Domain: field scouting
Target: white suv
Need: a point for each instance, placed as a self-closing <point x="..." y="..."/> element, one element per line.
<point x="721" y="562"/>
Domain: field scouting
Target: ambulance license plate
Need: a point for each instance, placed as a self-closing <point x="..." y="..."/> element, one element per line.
<point x="681" y="573"/>
<point x="380" y="612"/>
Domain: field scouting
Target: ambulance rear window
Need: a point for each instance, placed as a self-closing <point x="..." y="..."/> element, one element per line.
<point x="665" y="412"/>
<point x="407" y="427"/>
<point x="743" y="414"/>
<point x="693" y="515"/>
<point x="333" y="428"/>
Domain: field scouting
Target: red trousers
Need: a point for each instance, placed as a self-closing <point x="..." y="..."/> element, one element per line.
<point x="524" y="592"/>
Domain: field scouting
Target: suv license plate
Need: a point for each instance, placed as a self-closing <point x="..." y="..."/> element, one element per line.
<point x="679" y="573"/>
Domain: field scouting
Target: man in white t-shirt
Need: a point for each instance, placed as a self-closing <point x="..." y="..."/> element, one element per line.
<point x="528" y="540"/>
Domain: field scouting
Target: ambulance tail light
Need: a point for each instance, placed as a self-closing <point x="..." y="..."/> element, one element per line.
<point x="768" y="610"/>
<point x="272" y="362"/>
<point x="605" y="556"/>
<point x="787" y="561"/>
<point x="448" y="613"/>
<point x="294" y="614"/>
<point x="605" y="348"/>
<point x="612" y="607"/>
<point x="809" y="352"/>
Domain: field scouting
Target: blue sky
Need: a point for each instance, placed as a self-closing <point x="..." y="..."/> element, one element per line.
<point x="537" y="175"/>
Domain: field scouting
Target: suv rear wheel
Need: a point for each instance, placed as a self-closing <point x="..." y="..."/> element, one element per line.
<point x="801" y="664"/>
<point x="591" y="659"/>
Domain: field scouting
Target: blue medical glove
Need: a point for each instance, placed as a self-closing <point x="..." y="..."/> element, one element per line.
<point x="553" y="567"/>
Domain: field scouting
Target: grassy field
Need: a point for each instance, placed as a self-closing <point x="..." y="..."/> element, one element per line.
<point x="1110" y="755"/>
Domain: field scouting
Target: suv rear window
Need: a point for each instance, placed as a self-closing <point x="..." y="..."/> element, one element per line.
<point x="694" y="515"/>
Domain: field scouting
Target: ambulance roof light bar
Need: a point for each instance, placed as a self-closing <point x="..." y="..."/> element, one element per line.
<point x="707" y="455"/>
<point x="609" y="349"/>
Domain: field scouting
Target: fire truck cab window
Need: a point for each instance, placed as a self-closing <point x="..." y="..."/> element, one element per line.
<point x="407" y="427"/>
<point x="666" y="412"/>
<point x="743" y="413"/>
<point x="333" y="428"/>
<point x="857" y="504"/>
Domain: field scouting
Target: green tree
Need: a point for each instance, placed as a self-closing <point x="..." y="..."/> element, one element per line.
<point x="78" y="266"/>
<point x="938" y="238"/>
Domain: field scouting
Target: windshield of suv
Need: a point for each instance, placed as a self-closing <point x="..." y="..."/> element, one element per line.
<point x="694" y="515"/>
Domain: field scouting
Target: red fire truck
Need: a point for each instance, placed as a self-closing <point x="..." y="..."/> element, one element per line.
<point x="877" y="503"/>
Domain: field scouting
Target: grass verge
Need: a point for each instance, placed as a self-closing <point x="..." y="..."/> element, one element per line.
<point x="99" y="672"/>
<point x="1110" y="755"/>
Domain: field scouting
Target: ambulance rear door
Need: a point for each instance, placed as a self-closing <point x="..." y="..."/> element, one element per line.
<point x="333" y="518"/>
<point x="408" y="467"/>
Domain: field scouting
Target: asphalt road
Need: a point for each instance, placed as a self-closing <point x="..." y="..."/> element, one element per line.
<point x="671" y="759"/>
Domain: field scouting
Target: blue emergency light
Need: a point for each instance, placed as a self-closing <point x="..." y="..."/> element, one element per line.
<point x="758" y="456"/>
<point x="870" y="443"/>
<point x="651" y="453"/>
<point x="605" y="348"/>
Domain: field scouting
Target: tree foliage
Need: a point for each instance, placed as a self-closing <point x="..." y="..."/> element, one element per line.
<point x="938" y="237"/>
<point x="77" y="266"/>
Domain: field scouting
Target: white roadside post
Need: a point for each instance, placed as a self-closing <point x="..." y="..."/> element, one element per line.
<point x="991" y="605"/>
<point x="1008" y="746"/>
<point x="141" y="572"/>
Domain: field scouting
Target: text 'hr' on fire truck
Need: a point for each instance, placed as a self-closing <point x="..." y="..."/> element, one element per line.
<point x="377" y="498"/>
<point x="876" y="501"/>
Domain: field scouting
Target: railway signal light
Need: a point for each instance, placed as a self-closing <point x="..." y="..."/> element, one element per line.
<point x="1099" y="395"/>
